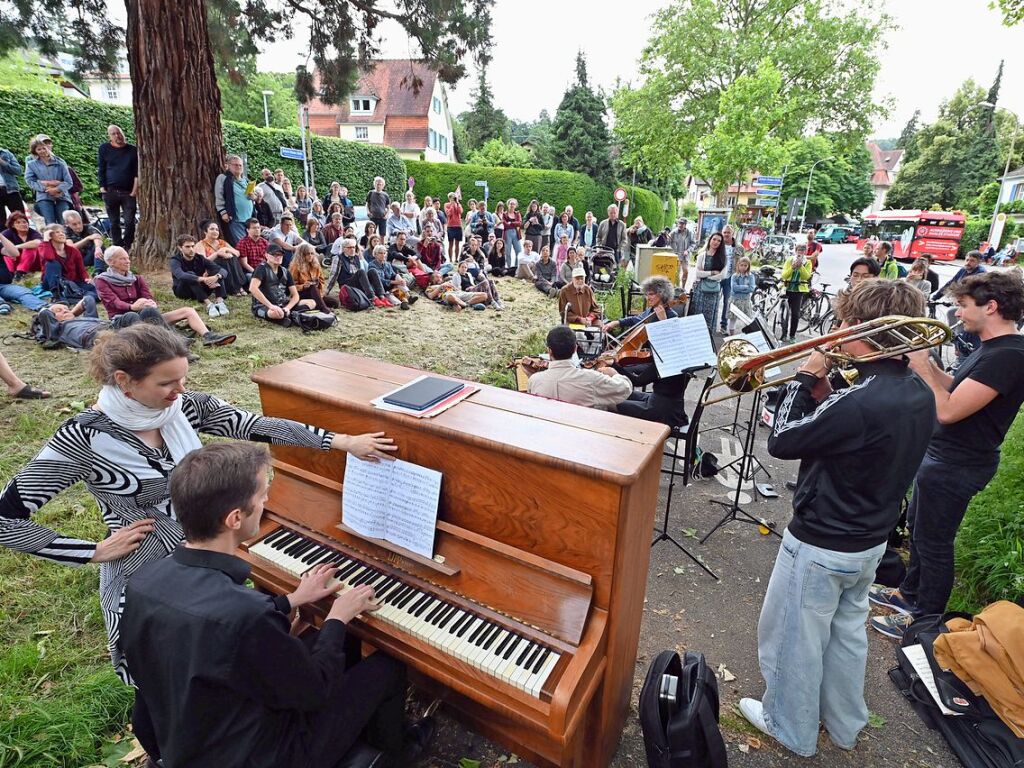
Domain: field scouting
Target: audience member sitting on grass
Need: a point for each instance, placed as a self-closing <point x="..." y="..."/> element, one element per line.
<point x="197" y="278"/>
<point x="527" y="260"/>
<point x="367" y="253"/>
<point x="574" y="259"/>
<point x="26" y="242"/>
<point x="576" y="302"/>
<point x="252" y="249"/>
<point x="316" y="238"/>
<point x="274" y="295"/>
<point x="17" y="388"/>
<point x="261" y="209"/>
<point x="396" y="223"/>
<point x="370" y="231"/>
<point x="334" y="230"/>
<point x="286" y="237"/>
<point x="429" y="249"/>
<point x="224" y="256"/>
<point x="8" y="290"/>
<point x="86" y="238"/>
<point x="478" y="283"/>
<point x="393" y="282"/>
<point x="444" y="292"/>
<point x="496" y="262"/>
<point x="124" y="294"/>
<point x="318" y="212"/>
<point x="547" y="273"/>
<point x="399" y="252"/>
<point x="475" y="252"/>
<point x="64" y="272"/>
<point x="308" y="276"/>
<point x="420" y="274"/>
<point x="348" y="268"/>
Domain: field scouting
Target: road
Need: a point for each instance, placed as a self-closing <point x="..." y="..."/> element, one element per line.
<point x="834" y="265"/>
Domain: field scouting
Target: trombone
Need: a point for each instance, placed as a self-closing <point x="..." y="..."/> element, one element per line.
<point x="741" y="367"/>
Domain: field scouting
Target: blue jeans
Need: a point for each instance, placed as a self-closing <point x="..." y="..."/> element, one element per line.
<point x="812" y="645"/>
<point x="942" y="492"/>
<point x="53" y="273"/>
<point x="726" y="298"/>
<point x="52" y="210"/>
<point x="236" y="230"/>
<point x="21" y="295"/>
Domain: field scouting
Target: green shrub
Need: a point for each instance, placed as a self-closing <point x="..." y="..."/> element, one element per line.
<point x="990" y="544"/>
<point x="79" y="126"/>
<point x="649" y="206"/>
<point x="975" y="230"/>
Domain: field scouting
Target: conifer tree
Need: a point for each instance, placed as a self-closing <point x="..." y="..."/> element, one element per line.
<point x="580" y="140"/>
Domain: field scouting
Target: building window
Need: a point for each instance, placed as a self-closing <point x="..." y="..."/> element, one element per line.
<point x="437" y="105"/>
<point x="442" y="144"/>
<point x="362" y="132"/>
<point x="431" y="138"/>
<point x="112" y="91"/>
<point x="360" y="105"/>
<point x="1017" y="193"/>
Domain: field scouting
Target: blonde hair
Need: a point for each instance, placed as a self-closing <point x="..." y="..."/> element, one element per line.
<point x="744" y="260"/>
<point x="874" y="298"/>
<point x="135" y="350"/>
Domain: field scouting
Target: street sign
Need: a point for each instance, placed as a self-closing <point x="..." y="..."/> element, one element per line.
<point x="289" y="153"/>
<point x="767" y="202"/>
<point x="620" y="194"/>
<point x="793" y="203"/>
<point x="768" y="181"/>
<point x="487" y="189"/>
<point x="767" y="192"/>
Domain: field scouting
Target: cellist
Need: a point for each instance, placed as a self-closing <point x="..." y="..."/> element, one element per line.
<point x="664" y="402"/>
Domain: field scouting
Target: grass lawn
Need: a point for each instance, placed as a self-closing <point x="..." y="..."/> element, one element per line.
<point x="60" y="703"/>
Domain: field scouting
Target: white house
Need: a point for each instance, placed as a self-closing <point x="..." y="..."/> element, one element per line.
<point x="1011" y="186"/>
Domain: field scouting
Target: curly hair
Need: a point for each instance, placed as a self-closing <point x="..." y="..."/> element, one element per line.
<point x="659" y="285"/>
<point x="1006" y="289"/>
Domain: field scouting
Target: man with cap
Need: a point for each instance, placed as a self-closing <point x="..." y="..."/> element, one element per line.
<point x="600" y="387"/>
<point x="576" y="302"/>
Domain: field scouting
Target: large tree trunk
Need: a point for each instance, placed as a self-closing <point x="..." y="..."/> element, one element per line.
<point x="177" y="122"/>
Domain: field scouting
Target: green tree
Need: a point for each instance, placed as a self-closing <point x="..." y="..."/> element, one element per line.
<point x="484" y="121"/>
<point x="460" y="140"/>
<point x="172" y="50"/>
<point x="579" y="135"/>
<point x="908" y="137"/>
<point x="21" y="69"/>
<point x="825" y="51"/>
<point x="504" y="154"/>
<point x="243" y="101"/>
<point x="1012" y="10"/>
<point x="841" y="182"/>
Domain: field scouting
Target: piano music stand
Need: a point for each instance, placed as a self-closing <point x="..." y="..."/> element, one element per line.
<point x="735" y="512"/>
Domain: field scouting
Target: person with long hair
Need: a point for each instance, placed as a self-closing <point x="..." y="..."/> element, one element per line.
<point x="124" y="447"/>
<point x="710" y="272"/>
<point x="534" y="223"/>
<point x="224" y="256"/>
<point x="309" y="278"/>
<point x="513" y="231"/>
<point x="25" y="240"/>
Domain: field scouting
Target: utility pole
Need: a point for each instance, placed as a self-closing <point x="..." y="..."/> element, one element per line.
<point x="807" y="193"/>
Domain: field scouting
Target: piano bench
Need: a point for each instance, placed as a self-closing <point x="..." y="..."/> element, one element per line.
<point x="362" y="755"/>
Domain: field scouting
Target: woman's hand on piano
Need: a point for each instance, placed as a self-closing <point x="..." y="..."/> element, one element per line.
<point x="315" y="584"/>
<point x="370" y="447"/>
<point x="353" y="602"/>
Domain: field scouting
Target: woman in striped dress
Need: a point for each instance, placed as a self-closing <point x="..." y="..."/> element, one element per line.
<point x="124" y="449"/>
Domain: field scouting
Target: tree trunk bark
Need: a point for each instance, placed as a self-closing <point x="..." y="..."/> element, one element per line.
<point x="177" y="122"/>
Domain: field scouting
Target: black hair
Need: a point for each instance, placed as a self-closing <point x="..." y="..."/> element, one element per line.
<point x="562" y="342"/>
<point x="870" y="263"/>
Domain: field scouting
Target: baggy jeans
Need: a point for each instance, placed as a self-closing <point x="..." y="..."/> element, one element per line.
<point x="812" y="643"/>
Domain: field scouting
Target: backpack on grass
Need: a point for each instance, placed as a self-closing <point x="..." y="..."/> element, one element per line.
<point x="353" y="299"/>
<point x="312" y="320"/>
<point x="679" y="713"/>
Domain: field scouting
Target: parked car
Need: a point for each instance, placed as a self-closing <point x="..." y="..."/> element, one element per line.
<point x="853" y="235"/>
<point x="833" y="233"/>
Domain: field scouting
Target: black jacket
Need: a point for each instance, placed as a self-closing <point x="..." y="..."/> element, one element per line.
<point x="859" y="451"/>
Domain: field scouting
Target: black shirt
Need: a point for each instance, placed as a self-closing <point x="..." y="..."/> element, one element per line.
<point x="611" y="240"/>
<point x="274" y="285"/>
<point x="859" y="449"/>
<point x="225" y="683"/>
<point x="190" y="270"/>
<point x="975" y="441"/>
<point x="117" y="167"/>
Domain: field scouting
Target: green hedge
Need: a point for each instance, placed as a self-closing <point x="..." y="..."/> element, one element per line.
<point x="79" y="126"/>
<point x="990" y="544"/>
<point x="650" y="207"/>
<point x="559" y="188"/>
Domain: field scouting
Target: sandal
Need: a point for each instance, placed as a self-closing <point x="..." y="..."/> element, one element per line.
<point x="28" y="392"/>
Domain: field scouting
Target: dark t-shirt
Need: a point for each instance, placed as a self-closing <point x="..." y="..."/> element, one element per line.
<point x="275" y="286"/>
<point x="975" y="441"/>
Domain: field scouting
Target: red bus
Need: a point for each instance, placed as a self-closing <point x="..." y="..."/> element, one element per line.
<point x="914" y="233"/>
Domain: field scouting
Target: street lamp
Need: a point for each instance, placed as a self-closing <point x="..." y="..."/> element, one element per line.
<point x="1006" y="170"/>
<point x="803" y="213"/>
<point x="266" y="110"/>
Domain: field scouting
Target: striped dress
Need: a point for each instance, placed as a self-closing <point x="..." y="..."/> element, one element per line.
<point x="129" y="481"/>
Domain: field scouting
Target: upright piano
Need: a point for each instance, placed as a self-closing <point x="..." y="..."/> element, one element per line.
<point x="528" y="630"/>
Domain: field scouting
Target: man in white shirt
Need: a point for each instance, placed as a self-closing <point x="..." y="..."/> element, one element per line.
<point x="286" y="237"/>
<point x="273" y="194"/>
<point x="601" y="388"/>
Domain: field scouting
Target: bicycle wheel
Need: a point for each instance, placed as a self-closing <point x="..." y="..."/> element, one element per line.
<point x="810" y="313"/>
<point x="780" y="319"/>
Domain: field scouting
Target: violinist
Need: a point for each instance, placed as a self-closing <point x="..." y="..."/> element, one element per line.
<point x="601" y="387"/>
<point x="664" y="402"/>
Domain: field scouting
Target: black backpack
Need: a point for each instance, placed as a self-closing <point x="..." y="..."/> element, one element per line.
<point x="313" y="320"/>
<point x="679" y="713"/>
<point x="353" y="299"/>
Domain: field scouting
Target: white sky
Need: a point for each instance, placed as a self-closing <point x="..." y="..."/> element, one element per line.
<point x="937" y="44"/>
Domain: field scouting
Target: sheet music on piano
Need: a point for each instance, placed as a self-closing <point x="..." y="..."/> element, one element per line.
<point x="681" y="344"/>
<point x="392" y="500"/>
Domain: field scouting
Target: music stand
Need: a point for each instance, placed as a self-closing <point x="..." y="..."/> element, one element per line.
<point x="735" y="512"/>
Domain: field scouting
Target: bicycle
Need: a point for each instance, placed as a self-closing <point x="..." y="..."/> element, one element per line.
<point x="769" y="300"/>
<point x="816" y="309"/>
<point x="950" y="355"/>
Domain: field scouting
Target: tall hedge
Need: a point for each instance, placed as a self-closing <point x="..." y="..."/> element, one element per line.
<point x="560" y="188"/>
<point x="79" y="126"/>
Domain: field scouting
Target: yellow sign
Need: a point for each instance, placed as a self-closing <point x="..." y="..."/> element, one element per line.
<point x="666" y="265"/>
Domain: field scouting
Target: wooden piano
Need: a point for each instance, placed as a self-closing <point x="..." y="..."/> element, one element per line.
<point x="529" y="633"/>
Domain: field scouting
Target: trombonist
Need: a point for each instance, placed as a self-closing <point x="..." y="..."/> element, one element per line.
<point x="812" y="642"/>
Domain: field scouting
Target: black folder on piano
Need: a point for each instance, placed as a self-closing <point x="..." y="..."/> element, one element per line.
<point x="424" y="393"/>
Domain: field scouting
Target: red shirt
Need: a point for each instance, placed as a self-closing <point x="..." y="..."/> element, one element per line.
<point x="71" y="265"/>
<point x="430" y="254"/>
<point x="118" y="299"/>
<point x="454" y="213"/>
<point x="253" y="251"/>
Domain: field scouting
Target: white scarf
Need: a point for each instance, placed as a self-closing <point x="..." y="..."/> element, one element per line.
<point x="174" y="426"/>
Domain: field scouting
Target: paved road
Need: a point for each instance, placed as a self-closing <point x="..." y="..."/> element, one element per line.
<point x="834" y="265"/>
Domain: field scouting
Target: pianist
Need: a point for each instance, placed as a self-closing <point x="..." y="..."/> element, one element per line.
<point x="237" y="688"/>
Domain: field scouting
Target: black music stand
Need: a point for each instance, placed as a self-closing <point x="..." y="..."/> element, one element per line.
<point x="735" y="512"/>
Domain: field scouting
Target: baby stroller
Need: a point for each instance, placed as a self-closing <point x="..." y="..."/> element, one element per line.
<point x="604" y="269"/>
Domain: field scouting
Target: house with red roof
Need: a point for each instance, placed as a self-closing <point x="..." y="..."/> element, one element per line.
<point x="384" y="108"/>
<point x="886" y="165"/>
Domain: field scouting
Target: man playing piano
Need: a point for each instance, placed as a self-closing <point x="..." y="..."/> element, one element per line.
<point x="220" y="680"/>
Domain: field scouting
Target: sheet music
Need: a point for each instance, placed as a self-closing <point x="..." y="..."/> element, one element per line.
<point x="915" y="655"/>
<point x="681" y="344"/>
<point x="392" y="500"/>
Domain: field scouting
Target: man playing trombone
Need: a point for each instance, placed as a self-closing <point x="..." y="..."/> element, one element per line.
<point x="812" y="643"/>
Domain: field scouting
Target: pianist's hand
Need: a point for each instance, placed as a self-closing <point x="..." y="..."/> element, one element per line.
<point x="370" y="447"/>
<point x="315" y="584"/>
<point x="352" y="602"/>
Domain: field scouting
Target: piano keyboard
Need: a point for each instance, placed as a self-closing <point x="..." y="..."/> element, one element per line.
<point x="496" y="650"/>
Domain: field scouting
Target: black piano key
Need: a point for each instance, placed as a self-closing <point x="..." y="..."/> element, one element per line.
<point x="500" y="650"/>
<point x="464" y="619"/>
<point x="447" y="615"/>
<point x="285" y="541"/>
<point x="280" y="533"/>
<point x="409" y="597"/>
<point x="399" y="595"/>
<point x="298" y="547"/>
<point x="522" y="656"/>
<point x="385" y="586"/>
<point x="419" y="603"/>
<point x="419" y="612"/>
<point x="541" y="661"/>
<point x="465" y="627"/>
<point x="365" y="576"/>
<point x="532" y="658"/>
<point x="314" y="554"/>
<point x="492" y="636"/>
<point x="476" y="635"/>
<point x="432" y="615"/>
<point x="516" y="640"/>
<point x="348" y="570"/>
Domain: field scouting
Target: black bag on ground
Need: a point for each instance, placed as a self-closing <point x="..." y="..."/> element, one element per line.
<point x="679" y="713"/>
<point x="313" y="320"/>
<point x="977" y="736"/>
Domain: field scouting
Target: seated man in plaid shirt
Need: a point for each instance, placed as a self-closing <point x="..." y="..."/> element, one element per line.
<point x="252" y="249"/>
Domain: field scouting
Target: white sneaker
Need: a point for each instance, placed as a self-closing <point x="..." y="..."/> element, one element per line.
<point x="753" y="711"/>
<point x="213" y="310"/>
<point x="222" y="308"/>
